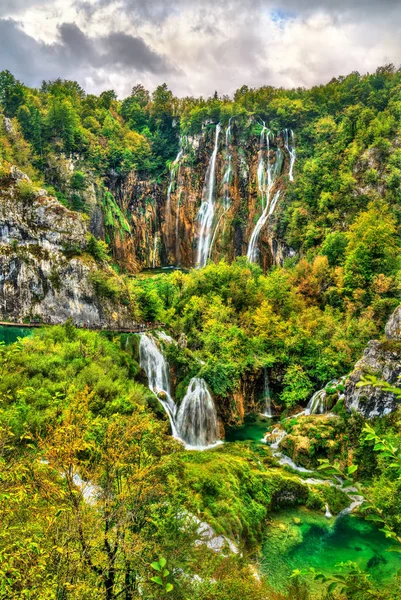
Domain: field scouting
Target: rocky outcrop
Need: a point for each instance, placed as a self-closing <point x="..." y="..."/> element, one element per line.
<point x="44" y="270"/>
<point x="383" y="361"/>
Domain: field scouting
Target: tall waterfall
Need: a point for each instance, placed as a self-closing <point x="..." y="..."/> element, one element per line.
<point x="226" y="184"/>
<point x="267" y="412"/>
<point x="267" y="174"/>
<point x="290" y="147"/>
<point x="195" y="424"/>
<point x="206" y="211"/>
<point x="197" y="419"/>
<point x="229" y="168"/>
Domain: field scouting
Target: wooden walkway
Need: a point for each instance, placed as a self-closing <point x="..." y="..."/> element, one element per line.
<point x="138" y="328"/>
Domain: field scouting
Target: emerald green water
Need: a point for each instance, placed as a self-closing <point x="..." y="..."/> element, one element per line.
<point x="9" y="335"/>
<point x="322" y="543"/>
<point x="253" y="429"/>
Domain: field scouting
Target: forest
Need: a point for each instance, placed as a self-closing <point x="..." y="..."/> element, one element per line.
<point x="98" y="500"/>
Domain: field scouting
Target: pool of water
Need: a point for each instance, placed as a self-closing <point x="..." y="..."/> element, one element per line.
<point x="300" y="539"/>
<point x="9" y="335"/>
<point x="253" y="429"/>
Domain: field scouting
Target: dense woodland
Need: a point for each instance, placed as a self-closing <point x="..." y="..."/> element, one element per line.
<point x="74" y="404"/>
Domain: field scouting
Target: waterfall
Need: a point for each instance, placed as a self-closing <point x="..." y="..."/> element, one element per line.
<point x="266" y="395"/>
<point x="206" y="211"/>
<point x="197" y="419"/>
<point x="195" y="424"/>
<point x="328" y="514"/>
<point x="226" y="184"/>
<point x="290" y="147"/>
<point x="156" y="368"/>
<point x="266" y="179"/>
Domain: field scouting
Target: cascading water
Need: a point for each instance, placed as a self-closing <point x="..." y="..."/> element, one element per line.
<point x="284" y="460"/>
<point x="196" y="418"/>
<point x="226" y="183"/>
<point x="267" y="175"/>
<point x="206" y="211"/>
<point x="290" y="147"/>
<point x="195" y="424"/>
<point x="317" y="405"/>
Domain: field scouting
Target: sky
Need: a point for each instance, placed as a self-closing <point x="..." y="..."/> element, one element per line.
<point x="196" y="46"/>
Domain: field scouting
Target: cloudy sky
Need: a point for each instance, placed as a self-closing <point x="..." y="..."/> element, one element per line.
<point x="196" y="46"/>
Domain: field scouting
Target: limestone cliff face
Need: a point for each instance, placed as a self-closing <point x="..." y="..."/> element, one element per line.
<point x="164" y="216"/>
<point x="44" y="271"/>
<point x="383" y="360"/>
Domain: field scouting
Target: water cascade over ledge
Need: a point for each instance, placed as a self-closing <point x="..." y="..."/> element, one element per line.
<point x="195" y="423"/>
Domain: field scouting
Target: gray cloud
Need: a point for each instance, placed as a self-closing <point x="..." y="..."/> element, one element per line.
<point x="75" y="54"/>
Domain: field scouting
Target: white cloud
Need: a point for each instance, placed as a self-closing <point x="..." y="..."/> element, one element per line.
<point x="212" y="45"/>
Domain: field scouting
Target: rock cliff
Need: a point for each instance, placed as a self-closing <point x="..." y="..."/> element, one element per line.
<point x="382" y="360"/>
<point x="45" y="271"/>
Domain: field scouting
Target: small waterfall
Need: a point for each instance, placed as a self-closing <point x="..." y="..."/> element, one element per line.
<point x="290" y="147"/>
<point x="328" y="514"/>
<point x="317" y="405"/>
<point x="195" y="424"/>
<point x="206" y="211"/>
<point x="267" y="397"/>
<point x="197" y="419"/>
<point x="267" y="174"/>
